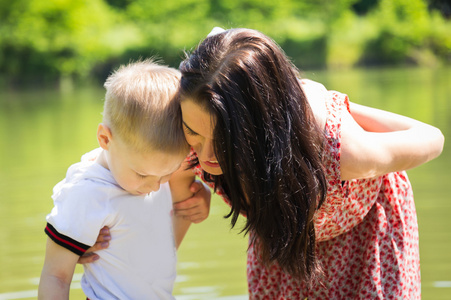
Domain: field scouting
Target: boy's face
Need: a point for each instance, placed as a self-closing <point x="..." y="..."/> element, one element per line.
<point x="140" y="173"/>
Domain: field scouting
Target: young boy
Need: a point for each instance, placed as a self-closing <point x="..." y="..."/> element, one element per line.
<point x="125" y="188"/>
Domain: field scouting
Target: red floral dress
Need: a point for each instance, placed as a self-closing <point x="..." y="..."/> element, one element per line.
<point x="366" y="230"/>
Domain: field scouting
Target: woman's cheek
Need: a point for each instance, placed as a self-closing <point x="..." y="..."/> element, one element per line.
<point x="191" y="141"/>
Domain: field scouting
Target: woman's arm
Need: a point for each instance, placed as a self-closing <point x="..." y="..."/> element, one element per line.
<point x="57" y="273"/>
<point x="377" y="142"/>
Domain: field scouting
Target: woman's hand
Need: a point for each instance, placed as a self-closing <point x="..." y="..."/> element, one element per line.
<point x="197" y="208"/>
<point x="101" y="243"/>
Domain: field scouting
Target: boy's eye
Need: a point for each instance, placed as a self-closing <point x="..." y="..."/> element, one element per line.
<point x="141" y="176"/>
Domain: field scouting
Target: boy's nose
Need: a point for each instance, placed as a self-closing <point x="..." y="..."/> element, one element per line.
<point x="154" y="186"/>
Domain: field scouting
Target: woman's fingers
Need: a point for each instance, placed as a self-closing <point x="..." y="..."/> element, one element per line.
<point x="102" y="240"/>
<point x="98" y="246"/>
<point x="195" y="214"/>
<point x="88" y="258"/>
<point x="197" y="208"/>
<point x="187" y="204"/>
<point x="196" y="186"/>
<point x="104" y="235"/>
<point x="102" y="243"/>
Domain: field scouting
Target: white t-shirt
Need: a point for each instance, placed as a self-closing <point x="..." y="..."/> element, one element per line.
<point x="140" y="262"/>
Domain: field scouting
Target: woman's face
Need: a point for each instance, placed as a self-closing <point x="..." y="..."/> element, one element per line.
<point x="198" y="126"/>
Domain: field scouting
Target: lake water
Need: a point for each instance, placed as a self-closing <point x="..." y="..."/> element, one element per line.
<point x="43" y="131"/>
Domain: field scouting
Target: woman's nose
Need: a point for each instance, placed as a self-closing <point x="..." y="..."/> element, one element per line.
<point x="207" y="152"/>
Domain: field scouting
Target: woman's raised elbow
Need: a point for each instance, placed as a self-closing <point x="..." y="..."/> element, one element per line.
<point x="437" y="145"/>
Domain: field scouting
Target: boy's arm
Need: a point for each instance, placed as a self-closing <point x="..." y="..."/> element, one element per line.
<point x="197" y="208"/>
<point x="180" y="183"/>
<point x="191" y="201"/>
<point x="57" y="273"/>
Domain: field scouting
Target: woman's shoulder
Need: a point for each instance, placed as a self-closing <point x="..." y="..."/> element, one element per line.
<point x="316" y="95"/>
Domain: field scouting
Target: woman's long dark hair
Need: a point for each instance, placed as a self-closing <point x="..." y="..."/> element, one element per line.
<point x="266" y="141"/>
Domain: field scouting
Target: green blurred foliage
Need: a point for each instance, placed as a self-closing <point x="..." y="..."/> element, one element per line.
<point x="404" y="28"/>
<point x="60" y="37"/>
<point x="83" y="38"/>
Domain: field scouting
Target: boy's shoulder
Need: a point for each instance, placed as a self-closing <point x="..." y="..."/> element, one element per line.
<point x="82" y="202"/>
<point x="87" y="180"/>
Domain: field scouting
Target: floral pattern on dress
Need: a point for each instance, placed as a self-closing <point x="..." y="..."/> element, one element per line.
<point x="366" y="230"/>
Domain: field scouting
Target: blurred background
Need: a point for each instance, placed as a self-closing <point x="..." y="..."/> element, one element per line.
<point x="56" y="54"/>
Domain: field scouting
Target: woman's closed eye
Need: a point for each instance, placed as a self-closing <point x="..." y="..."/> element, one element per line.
<point x="189" y="131"/>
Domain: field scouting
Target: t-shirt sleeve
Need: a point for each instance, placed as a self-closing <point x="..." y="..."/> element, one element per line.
<point x="80" y="211"/>
<point x="65" y="241"/>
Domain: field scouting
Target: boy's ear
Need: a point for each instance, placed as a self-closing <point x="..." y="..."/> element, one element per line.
<point x="104" y="136"/>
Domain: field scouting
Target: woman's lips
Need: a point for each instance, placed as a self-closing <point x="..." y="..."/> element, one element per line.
<point x="212" y="164"/>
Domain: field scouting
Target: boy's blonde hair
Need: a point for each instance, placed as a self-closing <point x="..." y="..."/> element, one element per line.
<point x="142" y="108"/>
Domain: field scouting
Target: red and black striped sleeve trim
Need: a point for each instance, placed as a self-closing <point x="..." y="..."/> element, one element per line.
<point x="65" y="241"/>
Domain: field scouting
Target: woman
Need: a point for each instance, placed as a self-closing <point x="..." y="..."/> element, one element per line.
<point x="329" y="209"/>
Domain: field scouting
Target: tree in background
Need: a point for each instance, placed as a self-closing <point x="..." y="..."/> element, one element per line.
<point x="54" y="38"/>
<point x="81" y="38"/>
